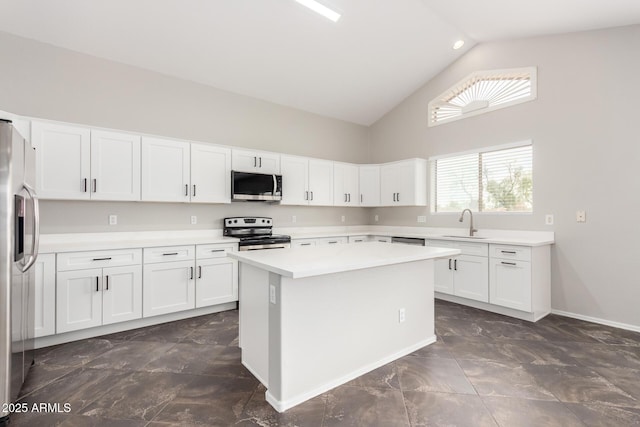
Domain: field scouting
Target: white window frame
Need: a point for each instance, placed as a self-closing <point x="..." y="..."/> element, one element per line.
<point x="432" y="178"/>
<point x="457" y="88"/>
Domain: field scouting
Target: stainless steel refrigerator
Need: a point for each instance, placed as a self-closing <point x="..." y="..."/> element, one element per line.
<point x="19" y="223"/>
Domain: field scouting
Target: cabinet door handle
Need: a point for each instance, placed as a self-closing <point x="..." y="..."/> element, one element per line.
<point x="361" y="198"/>
<point x="260" y="164"/>
<point x="507" y="263"/>
<point x="509" y="252"/>
<point x="349" y="194"/>
<point x="106" y="282"/>
<point x="199" y="272"/>
<point x="455" y="264"/>
<point x="97" y="284"/>
<point x="449" y="263"/>
<point x="333" y="242"/>
<point x="85" y="184"/>
<point x="194" y="190"/>
<point x="217" y="250"/>
<point x="170" y="253"/>
<point x="394" y="197"/>
<point x="311" y="195"/>
<point x="102" y="259"/>
<point x="305" y="244"/>
<point x="191" y="276"/>
<point x="95" y="185"/>
<point x="398" y="198"/>
<point x="306" y="195"/>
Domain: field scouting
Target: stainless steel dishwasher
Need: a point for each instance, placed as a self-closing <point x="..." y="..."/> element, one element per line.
<point x="415" y="241"/>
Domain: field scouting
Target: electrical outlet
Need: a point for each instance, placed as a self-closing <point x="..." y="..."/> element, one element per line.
<point x="548" y="219"/>
<point x="401" y="315"/>
<point x="343" y="218"/>
<point x="113" y="219"/>
<point x="194" y="219"/>
<point x="272" y="294"/>
<point x="293" y="219"/>
<point x="422" y="218"/>
<point x="376" y="218"/>
<point x="581" y="216"/>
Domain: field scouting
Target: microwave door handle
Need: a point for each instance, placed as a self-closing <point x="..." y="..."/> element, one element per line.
<point x="275" y="185"/>
<point x="35" y="238"/>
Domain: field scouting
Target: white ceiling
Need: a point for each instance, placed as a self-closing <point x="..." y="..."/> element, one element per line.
<point x="357" y="69"/>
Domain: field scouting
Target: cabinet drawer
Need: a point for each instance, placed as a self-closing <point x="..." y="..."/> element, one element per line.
<point x="169" y="253"/>
<point x="68" y="261"/>
<point x="215" y="250"/>
<point x="303" y="243"/>
<point x="467" y="248"/>
<point x="332" y="240"/>
<point x="522" y="253"/>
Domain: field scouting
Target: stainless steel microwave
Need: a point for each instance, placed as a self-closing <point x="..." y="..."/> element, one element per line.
<point x="248" y="186"/>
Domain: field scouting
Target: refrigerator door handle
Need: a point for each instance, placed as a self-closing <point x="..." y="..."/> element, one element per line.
<point x="35" y="238"/>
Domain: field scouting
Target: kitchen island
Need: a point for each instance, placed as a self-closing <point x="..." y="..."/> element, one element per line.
<point x="314" y="318"/>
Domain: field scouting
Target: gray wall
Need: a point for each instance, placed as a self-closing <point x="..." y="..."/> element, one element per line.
<point x="44" y="81"/>
<point x="585" y="132"/>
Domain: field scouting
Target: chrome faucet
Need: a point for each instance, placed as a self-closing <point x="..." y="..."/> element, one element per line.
<point x="471" y="229"/>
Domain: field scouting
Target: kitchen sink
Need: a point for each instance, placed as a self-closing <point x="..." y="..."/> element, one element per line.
<point x="465" y="237"/>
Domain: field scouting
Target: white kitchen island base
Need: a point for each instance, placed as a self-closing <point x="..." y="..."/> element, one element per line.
<point x="303" y="336"/>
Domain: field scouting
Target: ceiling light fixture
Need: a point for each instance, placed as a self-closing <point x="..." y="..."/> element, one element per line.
<point x="457" y="45"/>
<point x="321" y="9"/>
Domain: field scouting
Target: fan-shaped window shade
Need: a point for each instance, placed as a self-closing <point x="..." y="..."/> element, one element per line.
<point x="482" y="92"/>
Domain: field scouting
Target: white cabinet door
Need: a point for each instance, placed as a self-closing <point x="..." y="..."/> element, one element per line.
<point x="121" y="294"/>
<point x="369" y="181"/>
<point x="45" y="295"/>
<point x="255" y="161"/>
<point x="210" y="174"/>
<point x="62" y="160"/>
<point x="79" y="300"/>
<point x="320" y="182"/>
<point x="165" y="170"/>
<point x="295" y="180"/>
<point x="510" y="284"/>
<point x="404" y="183"/>
<point x="115" y="166"/>
<point x="443" y="276"/>
<point x="216" y="282"/>
<point x="345" y="185"/>
<point x="168" y="287"/>
<point x="472" y="277"/>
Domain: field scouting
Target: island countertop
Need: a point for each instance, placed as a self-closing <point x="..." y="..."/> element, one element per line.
<point x="316" y="261"/>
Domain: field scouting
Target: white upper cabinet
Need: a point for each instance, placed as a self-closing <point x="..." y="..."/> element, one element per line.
<point x="369" y="185"/>
<point x="115" y="166"/>
<point x="295" y="180"/>
<point x="77" y="163"/>
<point x="345" y="184"/>
<point x="306" y="181"/>
<point x="210" y="174"/>
<point x="165" y="170"/>
<point x="255" y="161"/>
<point x="404" y="183"/>
<point x="62" y="160"/>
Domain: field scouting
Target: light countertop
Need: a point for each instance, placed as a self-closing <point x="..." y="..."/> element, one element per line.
<point x="316" y="261"/>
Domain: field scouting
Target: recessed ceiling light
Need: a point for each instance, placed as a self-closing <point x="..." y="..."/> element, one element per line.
<point x="321" y="9"/>
<point x="457" y="45"/>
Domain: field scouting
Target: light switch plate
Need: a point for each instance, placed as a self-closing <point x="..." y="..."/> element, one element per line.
<point x="113" y="219"/>
<point x="581" y="216"/>
<point x="548" y="219"/>
<point x="422" y="218"/>
<point x="272" y="294"/>
<point x="194" y="219"/>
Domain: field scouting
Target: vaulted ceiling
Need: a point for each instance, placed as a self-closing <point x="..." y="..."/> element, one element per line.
<point x="356" y="69"/>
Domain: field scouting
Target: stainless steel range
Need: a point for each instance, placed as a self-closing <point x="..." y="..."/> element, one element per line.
<point x="255" y="233"/>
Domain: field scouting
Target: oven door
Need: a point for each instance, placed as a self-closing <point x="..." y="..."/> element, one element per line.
<point x="246" y="186"/>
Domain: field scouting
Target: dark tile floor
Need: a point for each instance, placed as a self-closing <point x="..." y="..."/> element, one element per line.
<point x="484" y="370"/>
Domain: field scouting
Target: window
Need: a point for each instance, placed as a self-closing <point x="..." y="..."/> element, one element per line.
<point x="498" y="179"/>
<point x="482" y="92"/>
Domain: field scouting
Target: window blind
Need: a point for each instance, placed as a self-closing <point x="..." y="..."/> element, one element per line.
<point x="496" y="180"/>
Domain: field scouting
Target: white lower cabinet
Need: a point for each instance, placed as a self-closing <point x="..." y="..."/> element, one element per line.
<point x="168" y="287"/>
<point x="217" y="275"/>
<point x="510" y="277"/>
<point x="107" y="293"/>
<point x="465" y="275"/>
<point x="45" y="295"/>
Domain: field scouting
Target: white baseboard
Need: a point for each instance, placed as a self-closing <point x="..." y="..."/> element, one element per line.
<point x="605" y="322"/>
<point x="282" y="406"/>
